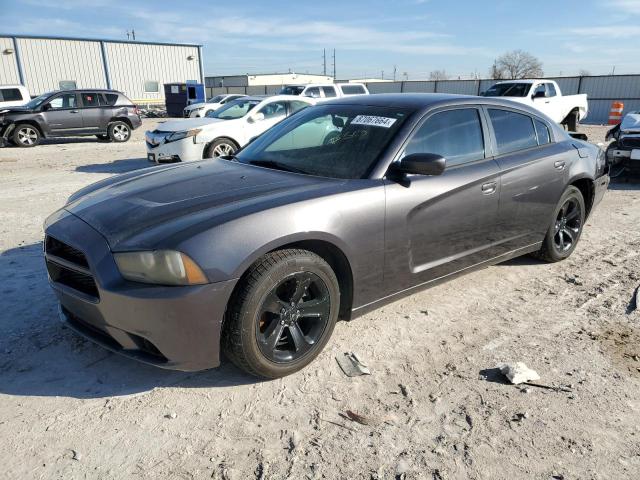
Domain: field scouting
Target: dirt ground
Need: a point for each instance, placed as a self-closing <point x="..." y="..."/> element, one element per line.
<point x="434" y="406"/>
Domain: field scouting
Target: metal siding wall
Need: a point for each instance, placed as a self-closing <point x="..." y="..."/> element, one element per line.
<point x="131" y="65"/>
<point x="384" y="87"/>
<point x="419" y="87"/>
<point x="460" y="87"/>
<point x="612" y="87"/>
<point x="486" y="84"/>
<point x="254" y="90"/>
<point x="47" y="61"/>
<point x="8" y="65"/>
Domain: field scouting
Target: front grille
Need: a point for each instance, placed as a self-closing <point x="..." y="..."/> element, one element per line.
<point x="630" y="142"/>
<point x="68" y="266"/>
<point x="55" y="247"/>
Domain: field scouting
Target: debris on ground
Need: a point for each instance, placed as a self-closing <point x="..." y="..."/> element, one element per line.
<point x="76" y="455"/>
<point x="172" y="415"/>
<point x="520" y="416"/>
<point x="351" y="365"/>
<point x="518" y="373"/>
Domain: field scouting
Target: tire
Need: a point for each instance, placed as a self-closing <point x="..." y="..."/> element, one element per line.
<point x="573" y="120"/>
<point x="119" y="132"/>
<point x="220" y="148"/>
<point x="103" y="138"/>
<point x="26" y="135"/>
<point x="566" y="227"/>
<point x="282" y="314"/>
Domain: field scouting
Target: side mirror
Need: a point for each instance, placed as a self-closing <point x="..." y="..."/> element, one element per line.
<point x="46" y="107"/>
<point x="539" y="94"/>
<point x="257" y="117"/>
<point x="421" y="164"/>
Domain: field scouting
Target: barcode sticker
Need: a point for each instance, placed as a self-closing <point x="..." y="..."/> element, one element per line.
<point x="374" y="121"/>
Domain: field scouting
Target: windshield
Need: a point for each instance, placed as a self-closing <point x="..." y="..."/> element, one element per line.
<point x="292" y="90"/>
<point x="337" y="141"/>
<point x="216" y="99"/>
<point x="508" y="90"/>
<point x="36" y="102"/>
<point x="232" y="110"/>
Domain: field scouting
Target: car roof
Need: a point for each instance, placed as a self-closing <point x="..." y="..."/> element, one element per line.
<point x="425" y="101"/>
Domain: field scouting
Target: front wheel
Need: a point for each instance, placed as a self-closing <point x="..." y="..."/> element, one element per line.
<point x="565" y="229"/>
<point x="282" y="314"/>
<point x="222" y="147"/>
<point x="119" y="132"/>
<point x="26" y="135"/>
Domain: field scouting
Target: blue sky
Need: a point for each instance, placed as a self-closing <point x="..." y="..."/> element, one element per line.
<point x="417" y="36"/>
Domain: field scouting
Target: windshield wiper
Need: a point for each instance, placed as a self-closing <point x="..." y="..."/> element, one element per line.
<point x="276" y="165"/>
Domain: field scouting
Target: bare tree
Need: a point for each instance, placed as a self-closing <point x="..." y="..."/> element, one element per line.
<point x="584" y="73"/>
<point x="438" y="75"/>
<point x="495" y="72"/>
<point x="518" y="64"/>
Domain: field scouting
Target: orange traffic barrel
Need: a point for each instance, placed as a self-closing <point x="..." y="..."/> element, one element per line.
<point x="615" y="114"/>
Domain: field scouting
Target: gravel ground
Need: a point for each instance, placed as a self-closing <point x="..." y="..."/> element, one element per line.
<point x="433" y="408"/>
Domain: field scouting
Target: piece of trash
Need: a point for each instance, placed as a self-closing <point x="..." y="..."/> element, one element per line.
<point x="351" y="365"/>
<point x="518" y="373"/>
<point x="172" y="415"/>
<point x="76" y="455"/>
<point x="519" y="417"/>
<point x="549" y="387"/>
<point x="361" y="419"/>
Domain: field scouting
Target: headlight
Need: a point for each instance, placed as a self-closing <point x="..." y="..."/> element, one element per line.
<point x="180" y="135"/>
<point x="163" y="267"/>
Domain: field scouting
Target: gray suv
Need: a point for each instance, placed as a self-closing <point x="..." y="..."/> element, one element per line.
<point x="107" y="114"/>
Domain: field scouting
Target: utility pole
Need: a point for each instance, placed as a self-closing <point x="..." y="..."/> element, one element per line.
<point x="128" y="35"/>
<point x="324" y="62"/>
<point x="133" y="34"/>
<point x="334" y="64"/>
<point x="395" y="68"/>
<point x="382" y="74"/>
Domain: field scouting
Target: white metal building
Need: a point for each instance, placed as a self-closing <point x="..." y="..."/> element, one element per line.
<point x="139" y="69"/>
<point x="265" y="79"/>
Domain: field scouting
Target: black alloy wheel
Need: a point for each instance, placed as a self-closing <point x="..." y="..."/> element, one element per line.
<point x="293" y="317"/>
<point x="568" y="225"/>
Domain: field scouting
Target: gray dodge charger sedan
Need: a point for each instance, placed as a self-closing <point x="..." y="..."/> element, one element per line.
<point x="335" y="211"/>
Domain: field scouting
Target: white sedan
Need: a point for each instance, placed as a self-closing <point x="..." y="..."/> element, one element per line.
<point x="222" y="132"/>
<point x="197" y="110"/>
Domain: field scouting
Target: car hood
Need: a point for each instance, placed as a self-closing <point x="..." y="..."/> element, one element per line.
<point x="159" y="207"/>
<point x="193" y="106"/>
<point x="10" y="110"/>
<point x="186" y="124"/>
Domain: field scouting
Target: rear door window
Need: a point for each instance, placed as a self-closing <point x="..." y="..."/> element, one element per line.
<point x="313" y="92"/>
<point x="454" y="134"/>
<point x="10" y="95"/>
<point x="514" y="131"/>
<point x="90" y="99"/>
<point x="329" y="91"/>
<point x="551" y="90"/>
<point x="542" y="131"/>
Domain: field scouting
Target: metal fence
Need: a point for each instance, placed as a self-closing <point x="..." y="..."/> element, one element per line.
<point x="600" y="90"/>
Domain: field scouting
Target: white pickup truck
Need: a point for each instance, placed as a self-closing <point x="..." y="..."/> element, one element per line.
<point x="545" y="95"/>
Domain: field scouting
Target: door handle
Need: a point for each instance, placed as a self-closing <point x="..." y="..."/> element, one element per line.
<point x="489" y="188"/>
<point x="559" y="165"/>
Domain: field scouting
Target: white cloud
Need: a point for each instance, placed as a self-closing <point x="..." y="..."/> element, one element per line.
<point x="628" y="6"/>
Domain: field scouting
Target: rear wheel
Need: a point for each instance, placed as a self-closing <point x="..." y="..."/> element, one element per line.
<point x="282" y="315"/>
<point x="221" y="147"/>
<point x="565" y="229"/>
<point x="573" y="120"/>
<point x="26" y="135"/>
<point x="119" y="132"/>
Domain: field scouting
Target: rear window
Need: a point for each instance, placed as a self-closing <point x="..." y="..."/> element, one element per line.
<point x="508" y="90"/>
<point x="10" y="95"/>
<point x="111" y="98"/>
<point x="514" y="131"/>
<point x="353" y="89"/>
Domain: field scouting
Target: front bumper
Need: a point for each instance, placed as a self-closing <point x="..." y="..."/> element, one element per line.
<point x="171" y="327"/>
<point x="159" y="151"/>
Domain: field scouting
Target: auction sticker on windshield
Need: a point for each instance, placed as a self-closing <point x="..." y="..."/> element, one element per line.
<point x="374" y="121"/>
